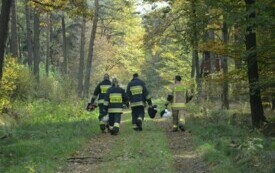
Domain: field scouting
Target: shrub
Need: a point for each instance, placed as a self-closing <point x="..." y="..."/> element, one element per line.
<point x="8" y="83"/>
<point x="24" y="84"/>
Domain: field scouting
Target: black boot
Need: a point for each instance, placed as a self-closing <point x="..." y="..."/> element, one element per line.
<point x="102" y="127"/>
<point x="108" y="128"/>
<point x="181" y="127"/>
<point x="115" y="131"/>
<point x="139" y="124"/>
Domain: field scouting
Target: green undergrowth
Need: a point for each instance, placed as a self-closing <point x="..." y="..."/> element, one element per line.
<point x="229" y="144"/>
<point x="44" y="135"/>
<point x="145" y="151"/>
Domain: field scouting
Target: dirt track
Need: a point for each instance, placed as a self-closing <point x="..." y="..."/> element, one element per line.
<point x="95" y="155"/>
<point x="186" y="160"/>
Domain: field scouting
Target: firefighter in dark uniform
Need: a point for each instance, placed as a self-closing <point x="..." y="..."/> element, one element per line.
<point x="178" y="99"/>
<point x="100" y="91"/>
<point x="113" y="103"/>
<point x="138" y="96"/>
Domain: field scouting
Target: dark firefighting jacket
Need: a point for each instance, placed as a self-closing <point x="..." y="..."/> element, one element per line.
<point x="100" y="91"/>
<point x="114" y="99"/>
<point x="138" y="93"/>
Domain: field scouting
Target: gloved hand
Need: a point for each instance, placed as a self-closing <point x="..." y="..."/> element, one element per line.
<point x="189" y="98"/>
<point x="91" y="107"/>
<point x="169" y="98"/>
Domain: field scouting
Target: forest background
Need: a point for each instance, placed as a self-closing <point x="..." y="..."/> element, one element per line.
<point x="55" y="52"/>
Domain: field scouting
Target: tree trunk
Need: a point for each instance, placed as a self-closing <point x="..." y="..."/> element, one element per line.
<point x="211" y="84"/>
<point x="212" y="55"/>
<point x="29" y="35"/>
<point x="273" y="102"/>
<point x="51" y="61"/>
<point x="256" y="106"/>
<point x="237" y="41"/>
<point x="4" y="27"/>
<point x="193" y="71"/>
<point x="36" y="62"/>
<point x="14" y="35"/>
<point x="65" y="62"/>
<point x="48" y="40"/>
<point x="91" y="50"/>
<point x="225" y="87"/>
<point x="238" y="88"/>
<point x="81" y="59"/>
<point x="195" y="60"/>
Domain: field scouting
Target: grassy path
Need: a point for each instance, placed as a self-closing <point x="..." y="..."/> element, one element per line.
<point x="51" y="138"/>
<point x="153" y="150"/>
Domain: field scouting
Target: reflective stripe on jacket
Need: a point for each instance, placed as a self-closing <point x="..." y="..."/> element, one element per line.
<point x="137" y="93"/>
<point x="101" y="89"/>
<point x="114" y="99"/>
<point x="179" y="96"/>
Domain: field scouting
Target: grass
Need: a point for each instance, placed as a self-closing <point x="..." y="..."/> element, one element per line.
<point x="228" y="147"/>
<point x="46" y="134"/>
<point x="145" y="151"/>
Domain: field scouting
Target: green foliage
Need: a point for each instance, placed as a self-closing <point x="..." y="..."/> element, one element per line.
<point x="42" y="125"/>
<point x="55" y="88"/>
<point x="129" y="40"/>
<point x="18" y="83"/>
<point x="25" y="85"/>
<point x="11" y="75"/>
<point x="228" y="144"/>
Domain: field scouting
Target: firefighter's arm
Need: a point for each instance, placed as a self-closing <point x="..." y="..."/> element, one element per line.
<point x="189" y="96"/>
<point x="149" y="100"/>
<point x="106" y="103"/>
<point x="128" y="90"/>
<point x="147" y="96"/>
<point x="96" y="92"/>
<point x="125" y="99"/>
<point x="169" y="99"/>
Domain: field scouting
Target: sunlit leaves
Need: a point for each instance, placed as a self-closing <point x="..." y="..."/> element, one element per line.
<point x="8" y="83"/>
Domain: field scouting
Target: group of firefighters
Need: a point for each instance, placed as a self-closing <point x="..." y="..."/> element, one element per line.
<point x="111" y="99"/>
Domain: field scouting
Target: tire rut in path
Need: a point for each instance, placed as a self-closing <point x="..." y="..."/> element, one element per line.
<point x="95" y="154"/>
<point x="91" y="157"/>
<point x="186" y="159"/>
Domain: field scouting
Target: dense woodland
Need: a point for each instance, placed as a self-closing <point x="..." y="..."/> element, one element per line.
<point x="56" y="51"/>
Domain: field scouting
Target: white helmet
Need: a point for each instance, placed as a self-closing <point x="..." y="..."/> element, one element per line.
<point x="167" y="114"/>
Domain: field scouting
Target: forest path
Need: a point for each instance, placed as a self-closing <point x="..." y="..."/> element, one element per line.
<point x="155" y="149"/>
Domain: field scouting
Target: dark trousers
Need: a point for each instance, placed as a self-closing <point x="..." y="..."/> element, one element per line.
<point x="137" y="112"/>
<point x="101" y="112"/>
<point x="114" y="119"/>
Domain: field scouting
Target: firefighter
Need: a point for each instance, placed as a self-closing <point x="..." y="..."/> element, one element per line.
<point x="178" y="99"/>
<point x="113" y="103"/>
<point x="100" y="91"/>
<point x="138" y="96"/>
